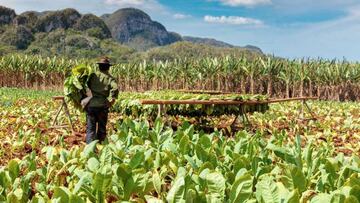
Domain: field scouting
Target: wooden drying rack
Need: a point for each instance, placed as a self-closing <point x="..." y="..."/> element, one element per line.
<point x="223" y="102"/>
<point x="162" y="104"/>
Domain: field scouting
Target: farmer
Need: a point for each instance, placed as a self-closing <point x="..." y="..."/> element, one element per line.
<point x="104" y="91"/>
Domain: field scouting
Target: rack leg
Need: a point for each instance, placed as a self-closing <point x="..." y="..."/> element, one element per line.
<point x="57" y="114"/>
<point x="310" y="110"/>
<point x="69" y="116"/>
<point x="235" y="119"/>
<point x="302" y="110"/>
<point x="233" y="123"/>
<point x="246" y="120"/>
<point x="161" y="110"/>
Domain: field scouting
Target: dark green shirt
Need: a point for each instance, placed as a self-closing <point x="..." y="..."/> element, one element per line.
<point x="103" y="88"/>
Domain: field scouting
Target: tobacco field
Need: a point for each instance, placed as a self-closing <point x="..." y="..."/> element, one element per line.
<point x="279" y="158"/>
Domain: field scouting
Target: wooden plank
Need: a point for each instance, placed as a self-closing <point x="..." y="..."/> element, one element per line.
<point x="222" y="102"/>
<point x="207" y="92"/>
<point x="291" y="99"/>
<point x="194" y="102"/>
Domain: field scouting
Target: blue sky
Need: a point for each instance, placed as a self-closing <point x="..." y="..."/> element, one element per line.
<point x="287" y="28"/>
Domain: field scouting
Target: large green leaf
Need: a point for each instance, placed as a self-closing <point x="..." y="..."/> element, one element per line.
<point x="298" y="179"/>
<point x="355" y="191"/>
<point x="89" y="150"/>
<point x="137" y="159"/>
<point x="14" y="169"/>
<point x="93" y="164"/>
<point x="76" y="199"/>
<point x="124" y="172"/>
<point x="191" y="196"/>
<point x="282" y="153"/>
<point x="83" y="180"/>
<point x="337" y="198"/>
<point x="106" y="156"/>
<point x="157" y="182"/>
<point x="353" y="180"/>
<point x="177" y="191"/>
<point x="184" y="145"/>
<point x="201" y="153"/>
<point x="102" y="179"/>
<point x="63" y="194"/>
<point x="129" y="188"/>
<point x="321" y="198"/>
<point x="351" y="199"/>
<point x="216" y="183"/>
<point x="241" y="190"/>
<point x="267" y="191"/>
<point x="293" y="197"/>
<point x="38" y="199"/>
<point x="157" y="161"/>
<point x="241" y="162"/>
<point x="150" y="199"/>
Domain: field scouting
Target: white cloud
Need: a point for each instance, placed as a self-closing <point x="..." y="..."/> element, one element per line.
<point x="245" y="2"/>
<point x="233" y="20"/>
<point x="181" y="16"/>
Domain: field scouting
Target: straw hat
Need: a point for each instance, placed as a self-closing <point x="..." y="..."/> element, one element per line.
<point x="104" y="60"/>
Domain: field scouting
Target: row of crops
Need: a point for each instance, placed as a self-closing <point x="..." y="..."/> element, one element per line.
<point x="161" y="165"/>
<point x="280" y="159"/>
<point x="328" y="79"/>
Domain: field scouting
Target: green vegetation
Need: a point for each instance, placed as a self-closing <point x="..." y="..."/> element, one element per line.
<point x="75" y="85"/>
<point x="6" y="15"/>
<point x="74" y="44"/>
<point x="94" y="26"/>
<point x="280" y="159"/>
<point x="125" y="35"/>
<point x="123" y="15"/>
<point x="327" y="79"/>
<point x="52" y="20"/>
<point x="9" y="96"/>
<point x="28" y="19"/>
<point x="20" y="37"/>
<point x="188" y="50"/>
<point x="64" y="32"/>
<point x="136" y="29"/>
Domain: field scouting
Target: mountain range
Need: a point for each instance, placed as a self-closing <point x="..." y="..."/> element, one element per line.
<point x="68" y="31"/>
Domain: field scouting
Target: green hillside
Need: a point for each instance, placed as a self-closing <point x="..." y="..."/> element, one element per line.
<point x="126" y="35"/>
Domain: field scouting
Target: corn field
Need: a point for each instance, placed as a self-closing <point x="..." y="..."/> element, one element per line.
<point x="327" y="79"/>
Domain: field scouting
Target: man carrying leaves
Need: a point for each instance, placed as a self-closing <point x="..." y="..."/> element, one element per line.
<point x="104" y="91"/>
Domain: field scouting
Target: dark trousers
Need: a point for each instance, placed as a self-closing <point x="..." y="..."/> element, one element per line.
<point x="96" y="120"/>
